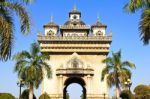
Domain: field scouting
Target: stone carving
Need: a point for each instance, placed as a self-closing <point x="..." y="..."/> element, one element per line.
<point x="74" y="63"/>
<point x="50" y="33"/>
<point x="99" y="33"/>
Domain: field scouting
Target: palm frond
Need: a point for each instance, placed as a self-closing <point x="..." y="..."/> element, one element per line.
<point x="110" y="80"/>
<point x="6" y="37"/>
<point x="26" y="1"/>
<point x="45" y="57"/>
<point x="144" y="26"/>
<point x="22" y="55"/>
<point x="134" y="5"/>
<point x="39" y="77"/>
<point x="128" y="64"/>
<point x="108" y="61"/>
<point x="31" y="73"/>
<point x="22" y="13"/>
<point x="106" y="71"/>
<point x="124" y="75"/>
<point x="35" y="49"/>
<point x="116" y="58"/>
<point x="48" y="69"/>
<point x="20" y="65"/>
<point x="126" y="72"/>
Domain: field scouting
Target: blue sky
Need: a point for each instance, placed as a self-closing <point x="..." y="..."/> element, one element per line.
<point x="124" y="27"/>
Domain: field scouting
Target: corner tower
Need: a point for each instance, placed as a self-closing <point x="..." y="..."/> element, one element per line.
<point x="75" y="57"/>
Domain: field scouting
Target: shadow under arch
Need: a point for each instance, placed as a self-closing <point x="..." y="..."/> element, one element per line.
<point x="77" y="80"/>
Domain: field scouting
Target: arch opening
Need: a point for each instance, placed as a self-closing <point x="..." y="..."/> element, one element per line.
<point x="76" y="80"/>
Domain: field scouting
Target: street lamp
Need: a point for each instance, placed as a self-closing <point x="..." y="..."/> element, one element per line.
<point x="104" y="95"/>
<point x="128" y="83"/>
<point x="20" y="83"/>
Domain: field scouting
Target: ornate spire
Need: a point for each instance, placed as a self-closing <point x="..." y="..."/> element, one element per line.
<point x="98" y="19"/>
<point x="74" y="8"/>
<point x="51" y="18"/>
<point x="75" y="11"/>
<point x="51" y="23"/>
<point x="98" y="23"/>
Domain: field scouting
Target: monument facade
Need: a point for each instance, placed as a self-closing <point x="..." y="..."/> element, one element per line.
<point x="76" y="52"/>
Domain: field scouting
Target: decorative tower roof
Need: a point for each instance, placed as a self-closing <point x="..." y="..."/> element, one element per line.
<point x="51" y="23"/>
<point x="74" y="11"/>
<point x="74" y="22"/>
<point x="98" y="24"/>
<point x="74" y="18"/>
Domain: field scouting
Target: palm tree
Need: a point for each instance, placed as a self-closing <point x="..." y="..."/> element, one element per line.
<point x="144" y="24"/>
<point x="116" y="71"/>
<point x="31" y="67"/>
<point x="7" y="9"/>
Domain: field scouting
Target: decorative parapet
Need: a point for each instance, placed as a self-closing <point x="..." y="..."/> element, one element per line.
<point x="76" y="38"/>
<point x="63" y="50"/>
<point x="76" y="71"/>
<point x="75" y="27"/>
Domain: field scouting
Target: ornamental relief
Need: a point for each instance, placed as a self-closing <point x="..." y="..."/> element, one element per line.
<point x="74" y="63"/>
<point x="99" y="33"/>
<point x="51" y="33"/>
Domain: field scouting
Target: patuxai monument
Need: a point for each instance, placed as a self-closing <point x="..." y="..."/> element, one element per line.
<point x="76" y="52"/>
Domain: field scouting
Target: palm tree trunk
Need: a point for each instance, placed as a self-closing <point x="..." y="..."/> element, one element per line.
<point x="117" y="86"/>
<point x="117" y="91"/>
<point x="31" y="92"/>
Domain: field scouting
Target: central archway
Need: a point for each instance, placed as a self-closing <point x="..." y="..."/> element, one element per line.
<point x="71" y="80"/>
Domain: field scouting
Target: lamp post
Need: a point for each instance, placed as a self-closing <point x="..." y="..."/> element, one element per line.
<point x="104" y="95"/>
<point x="20" y="83"/>
<point x="128" y="83"/>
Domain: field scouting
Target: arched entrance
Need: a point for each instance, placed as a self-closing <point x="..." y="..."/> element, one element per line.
<point x="77" y="80"/>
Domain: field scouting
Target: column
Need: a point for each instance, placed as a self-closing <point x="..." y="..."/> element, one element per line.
<point x="60" y="88"/>
<point x="88" y="85"/>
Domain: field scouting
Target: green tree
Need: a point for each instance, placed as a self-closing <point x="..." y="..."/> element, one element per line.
<point x="44" y="96"/>
<point x="25" y="94"/>
<point x="6" y="96"/>
<point x="7" y="9"/>
<point x="126" y="94"/>
<point x="82" y="96"/>
<point x="142" y="92"/>
<point x="67" y="96"/>
<point x="116" y="71"/>
<point x="144" y="24"/>
<point x="31" y="67"/>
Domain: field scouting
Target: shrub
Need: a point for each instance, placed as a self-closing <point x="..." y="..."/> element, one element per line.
<point x="44" y="96"/>
<point x="142" y="92"/>
<point x="126" y="94"/>
<point x="6" y="96"/>
<point x="25" y="94"/>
